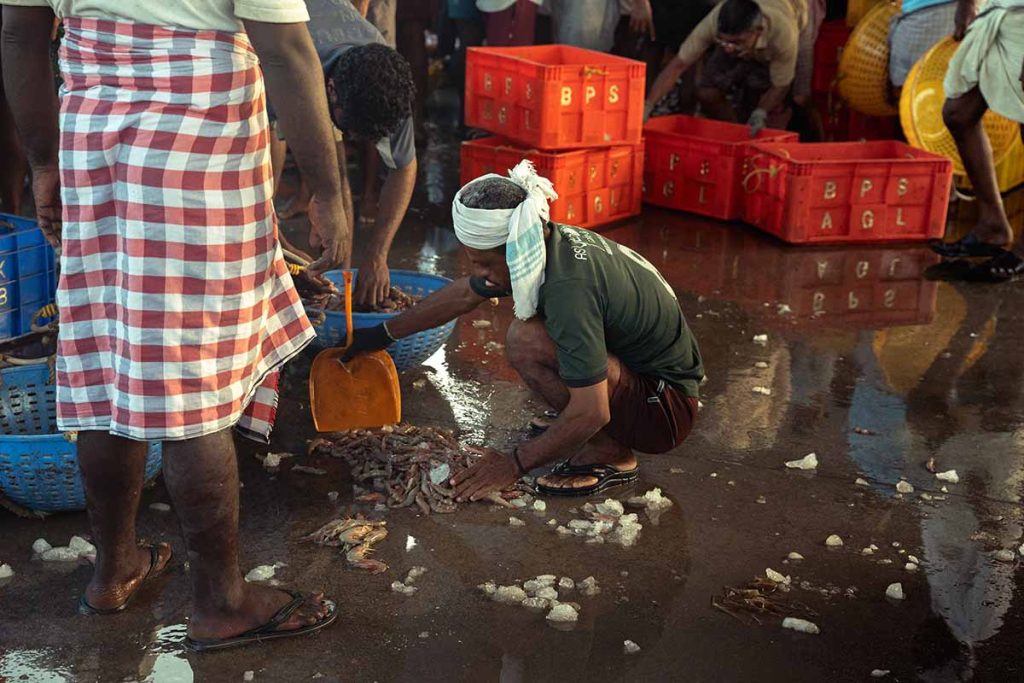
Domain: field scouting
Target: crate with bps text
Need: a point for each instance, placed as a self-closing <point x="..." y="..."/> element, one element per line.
<point x="28" y="279"/>
<point x="847" y="192"/>
<point x="555" y="96"/>
<point x="595" y="186"/>
<point x="698" y="165"/>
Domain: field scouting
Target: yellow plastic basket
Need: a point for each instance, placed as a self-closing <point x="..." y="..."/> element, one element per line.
<point x="921" y="115"/>
<point x="864" y="65"/>
<point x="857" y="9"/>
<point x="1009" y="170"/>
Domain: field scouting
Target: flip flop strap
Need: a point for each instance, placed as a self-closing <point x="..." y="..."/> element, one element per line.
<point x="280" y="616"/>
<point x="600" y="471"/>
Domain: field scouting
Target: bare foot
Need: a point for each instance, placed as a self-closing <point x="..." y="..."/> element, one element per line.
<point x="112" y="587"/>
<point x="995" y="231"/>
<point x="621" y="459"/>
<point x="256" y="606"/>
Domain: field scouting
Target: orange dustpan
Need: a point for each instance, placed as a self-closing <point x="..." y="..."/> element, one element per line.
<point x="359" y="394"/>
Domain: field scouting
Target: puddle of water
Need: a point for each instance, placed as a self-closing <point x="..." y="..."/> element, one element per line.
<point x="38" y="666"/>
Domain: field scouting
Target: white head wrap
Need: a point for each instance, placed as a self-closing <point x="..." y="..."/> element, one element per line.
<point x="521" y="230"/>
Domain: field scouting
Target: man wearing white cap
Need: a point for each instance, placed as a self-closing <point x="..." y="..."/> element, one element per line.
<point x="598" y="334"/>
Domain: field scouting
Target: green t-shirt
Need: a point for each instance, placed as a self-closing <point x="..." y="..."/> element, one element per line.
<point x="600" y="297"/>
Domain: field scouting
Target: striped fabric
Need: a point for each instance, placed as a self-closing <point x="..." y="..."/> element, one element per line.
<point x="176" y="303"/>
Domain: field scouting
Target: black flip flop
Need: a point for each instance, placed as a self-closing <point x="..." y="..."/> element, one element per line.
<point x="968" y="246"/>
<point x="539" y="424"/>
<point x="1002" y="268"/>
<point x="268" y="631"/>
<point x="606" y="475"/>
<point x="154" y="559"/>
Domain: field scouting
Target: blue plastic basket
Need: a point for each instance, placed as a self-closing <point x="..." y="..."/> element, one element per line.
<point x="408" y="352"/>
<point x="28" y="274"/>
<point x="38" y="465"/>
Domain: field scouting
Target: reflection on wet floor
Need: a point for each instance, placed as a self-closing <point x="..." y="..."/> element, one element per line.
<point x="865" y="363"/>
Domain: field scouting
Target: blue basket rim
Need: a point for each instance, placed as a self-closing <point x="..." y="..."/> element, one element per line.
<point x="439" y="279"/>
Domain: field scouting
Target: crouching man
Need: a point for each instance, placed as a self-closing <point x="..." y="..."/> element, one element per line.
<point x="598" y="334"/>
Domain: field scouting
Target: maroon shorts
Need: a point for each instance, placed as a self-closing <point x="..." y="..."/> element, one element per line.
<point x="649" y="414"/>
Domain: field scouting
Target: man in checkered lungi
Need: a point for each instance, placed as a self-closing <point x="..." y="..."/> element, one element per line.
<point x="176" y="306"/>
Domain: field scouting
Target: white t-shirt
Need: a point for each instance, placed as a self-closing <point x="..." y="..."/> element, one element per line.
<point x="499" y="5"/>
<point x="218" y="15"/>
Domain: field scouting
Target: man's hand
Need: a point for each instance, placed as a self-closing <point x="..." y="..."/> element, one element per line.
<point x="46" y="190"/>
<point x="367" y="339"/>
<point x="372" y="284"/>
<point x="493" y="472"/>
<point x="641" y="20"/>
<point x="757" y="121"/>
<point x="966" y="11"/>
<point x="332" y="231"/>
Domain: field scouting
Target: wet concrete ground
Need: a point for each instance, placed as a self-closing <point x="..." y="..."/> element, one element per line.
<point x="869" y="365"/>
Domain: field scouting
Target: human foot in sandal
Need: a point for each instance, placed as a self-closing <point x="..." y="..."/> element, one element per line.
<point x="591" y="471"/>
<point x="111" y="593"/>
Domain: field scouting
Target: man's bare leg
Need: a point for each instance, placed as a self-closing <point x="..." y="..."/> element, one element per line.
<point x="278" y="152"/>
<point x="202" y="478"/>
<point x="113" y="469"/>
<point x="962" y="117"/>
<point x="532" y="353"/>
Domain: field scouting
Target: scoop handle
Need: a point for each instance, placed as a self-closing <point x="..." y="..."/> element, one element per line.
<point x="348" y="307"/>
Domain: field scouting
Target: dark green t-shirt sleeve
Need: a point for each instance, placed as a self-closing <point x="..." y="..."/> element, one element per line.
<point x="575" y="321"/>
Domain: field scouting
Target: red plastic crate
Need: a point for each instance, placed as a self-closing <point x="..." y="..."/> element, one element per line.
<point x="698" y="165"/>
<point x="827" y="52"/>
<point x="847" y="192"/>
<point x="595" y="186"/>
<point x="555" y="96"/>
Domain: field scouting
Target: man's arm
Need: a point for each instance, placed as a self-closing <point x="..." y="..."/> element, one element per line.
<point x="374" y="279"/>
<point x="295" y="84"/>
<point x="966" y="11"/>
<point x="664" y="83"/>
<point x="28" y="79"/>
<point x="700" y="40"/>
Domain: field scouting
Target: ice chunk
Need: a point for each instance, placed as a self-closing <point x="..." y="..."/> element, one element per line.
<point x="81" y="546"/>
<point x="579" y="525"/>
<point x="801" y="625"/>
<point x="515" y="521"/>
<point x="895" y="591"/>
<point x="562" y="531"/>
<point x="879" y="673"/>
<point x="481" y="324"/>
<point x="911" y="558"/>
<point x="263" y="572"/>
<point x="509" y="595"/>
<point x="610" y="507"/>
<point x="40" y="546"/>
<point x="761" y="339"/>
<point x="949" y="476"/>
<point x="5" y="571"/>
<point x="566" y="584"/>
<point x="808" y="462"/>
<point x="563" y="613"/>
<point x="419" y="384"/>
<point x="333" y="496"/>
<point x="795" y="556"/>
<point x="834" y="541"/>
<point x="415" y="573"/>
<point x="904" y="486"/>
<point x="518" y="502"/>
<point x="61" y="554"/>
<point x="860" y="481"/>
<point x="547" y="593"/>
<point x="272" y="461"/>
<point x="776" y="577"/>
<point x="160" y="507"/>
<point x="761" y="365"/>
<point x="910" y="567"/>
<point x="488" y="588"/>
<point x="1005" y="555"/>
<point x="540" y="506"/>
<point x="552" y="522"/>
<point x="440" y="473"/>
<point x="867" y="551"/>
<point x="248" y="676"/>
<point x="536" y="604"/>
<point x="589" y="587"/>
<point x="399" y="587"/>
<point x="532" y="586"/>
<point x="763" y="391"/>
<point x="629" y="647"/>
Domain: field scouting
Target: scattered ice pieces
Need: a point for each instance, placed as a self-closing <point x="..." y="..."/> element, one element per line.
<point x="761" y="365"/>
<point x="949" y="476"/>
<point x="5" y="571"/>
<point x="761" y="500"/>
<point x="40" y="546"/>
<point x="801" y="625"/>
<point x="424" y="635"/>
<point x="589" y="587"/>
<point x="1005" y="555"/>
<point x="536" y="604"/>
<point x="764" y="391"/>
<point x="860" y="481"/>
<point x="399" y="587"/>
<point x="653" y="501"/>
<point x="776" y="577"/>
<point x="910" y="567"/>
<point x="629" y="647"/>
<point x="160" y="507"/>
<point x="794" y="556"/>
<point x="761" y="339"/>
<point x="895" y="591"/>
<point x="509" y="595"/>
<point x="81" y="546"/>
<point x="808" y="462"/>
<point x="867" y="551"/>
<point x="272" y="461"/>
<point x="613" y="508"/>
<point x="563" y="613"/>
<point x="552" y="522"/>
<point x="904" y="486"/>
<point x="676" y="470"/>
<point x="547" y="593"/>
<point x="415" y="573"/>
<point x="481" y="324"/>
<point x="419" y="384"/>
<point x="864" y="432"/>
<point x="248" y="676"/>
<point x="783" y="309"/>
<point x="540" y="506"/>
<point x="333" y="496"/>
<point x="263" y="572"/>
<point x="879" y="673"/>
<point x="911" y="558"/>
<point x="515" y="522"/>
<point x="566" y="583"/>
<point x="62" y="554"/>
<point x="562" y="531"/>
<point x="488" y="588"/>
<point x="834" y="541"/>
<point x="305" y="469"/>
<point x="518" y="502"/>
<point x="944" y="490"/>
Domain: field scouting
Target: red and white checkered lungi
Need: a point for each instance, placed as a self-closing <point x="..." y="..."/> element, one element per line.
<point x="176" y="306"/>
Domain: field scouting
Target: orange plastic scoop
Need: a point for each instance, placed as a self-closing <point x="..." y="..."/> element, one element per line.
<point x="359" y="394"/>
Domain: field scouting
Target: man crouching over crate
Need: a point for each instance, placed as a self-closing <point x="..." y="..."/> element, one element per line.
<point x="598" y="334"/>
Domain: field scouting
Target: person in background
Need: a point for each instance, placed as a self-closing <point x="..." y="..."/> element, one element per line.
<point x="469" y="30"/>
<point x="918" y="27"/>
<point x="509" y="22"/>
<point x="599" y="335"/>
<point x="986" y="73"/>
<point x="415" y="18"/>
<point x="177" y="309"/>
<point x="13" y="165"/>
<point x="750" y="51"/>
<point x="383" y="14"/>
<point x="370" y="91"/>
<point x="588" y="24"/>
